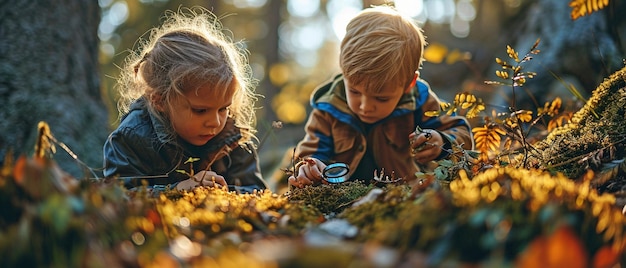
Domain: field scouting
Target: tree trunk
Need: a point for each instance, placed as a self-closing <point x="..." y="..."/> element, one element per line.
<point x="580" y="52"/>
<point x="49" y="72"/>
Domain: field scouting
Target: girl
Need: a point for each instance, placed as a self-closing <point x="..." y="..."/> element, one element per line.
<point x="187" y="110"/>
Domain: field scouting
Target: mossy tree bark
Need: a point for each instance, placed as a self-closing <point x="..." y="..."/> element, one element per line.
<point x="49" y="72"/>
<point x="595" y="139"/>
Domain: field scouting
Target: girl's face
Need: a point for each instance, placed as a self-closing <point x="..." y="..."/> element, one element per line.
<point x="199" y="115"/>
<point x="372" y="107"/>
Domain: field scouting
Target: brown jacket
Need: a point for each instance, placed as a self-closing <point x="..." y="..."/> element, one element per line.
<point x="335" y="134"/>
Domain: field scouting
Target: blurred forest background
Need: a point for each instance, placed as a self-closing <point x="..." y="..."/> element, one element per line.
<point x="53" y="66"/>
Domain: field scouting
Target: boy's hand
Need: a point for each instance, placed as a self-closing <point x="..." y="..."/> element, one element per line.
<point x="425" y="146"/>
<point x="308" y="171"/>
<point x="202" y="178"/>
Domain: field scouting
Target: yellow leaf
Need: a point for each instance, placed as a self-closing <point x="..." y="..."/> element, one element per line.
<point x="493" y="146"/>
<point x="499" y="130"/>
<point x="460" y="98"/>
<point x="525" y="116"/>
<point x="603" y="221"/>
<point x="586" y="7"/>
<point x="556" y="104"/>
<point x="431" y="113"/>
<point x="456" y="56"/>
<point x="191" y="160"/>
<point x="471" y="98"/>
<point x="435" y="53"/>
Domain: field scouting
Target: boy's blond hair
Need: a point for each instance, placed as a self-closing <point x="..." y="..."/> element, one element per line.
<point x="381" y="48"/>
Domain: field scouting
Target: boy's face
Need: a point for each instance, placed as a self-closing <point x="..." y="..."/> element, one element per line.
<point x="372" y="107"/>
<point x="197" y="118"/>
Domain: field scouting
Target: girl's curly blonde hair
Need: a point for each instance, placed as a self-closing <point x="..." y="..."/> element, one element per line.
<point x="189" y="49"/>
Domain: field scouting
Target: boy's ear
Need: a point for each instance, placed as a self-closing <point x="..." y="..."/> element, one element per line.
<point x="415" y="77"/>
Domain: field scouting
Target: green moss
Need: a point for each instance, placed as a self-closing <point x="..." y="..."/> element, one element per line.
<point x="595" y="135"/>
<point x="329" y="198"/>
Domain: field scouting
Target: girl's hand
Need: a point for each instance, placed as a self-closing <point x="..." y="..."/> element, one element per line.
<point x="308" y="172"/>
<point x="425" y="146"/>
<point x="202" y="178"/>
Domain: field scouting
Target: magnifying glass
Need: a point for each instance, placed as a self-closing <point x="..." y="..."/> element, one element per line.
<point x="336" y="173"/>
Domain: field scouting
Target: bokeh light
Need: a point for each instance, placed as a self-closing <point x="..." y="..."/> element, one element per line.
<point x="303" y="8"/>
<point x="307" y="29"/>
<point x="340" y="12"/>
<point x="465" y="10"/>
<point x="411" y="8"/>
<point x="247" y="3"/>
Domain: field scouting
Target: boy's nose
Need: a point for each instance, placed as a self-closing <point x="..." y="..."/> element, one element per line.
<point x="366" y="105"/>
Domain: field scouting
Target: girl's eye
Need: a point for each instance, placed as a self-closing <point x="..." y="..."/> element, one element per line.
<point x="382" y="99"/>
<point x="225" y="109"/>
<point x="198" y="111"/>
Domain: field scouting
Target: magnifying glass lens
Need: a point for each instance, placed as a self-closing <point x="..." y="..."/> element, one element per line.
<point x="336" y="173"/>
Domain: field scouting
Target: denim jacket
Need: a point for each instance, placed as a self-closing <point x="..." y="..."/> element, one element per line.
<point x="335" y="134"/>
<point x="139" y="149"/>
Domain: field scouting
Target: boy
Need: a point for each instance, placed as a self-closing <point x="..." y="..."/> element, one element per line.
<point x="366" y="116"/>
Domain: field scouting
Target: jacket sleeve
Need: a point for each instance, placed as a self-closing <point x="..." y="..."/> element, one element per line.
<point x="318" y="141"/>
<point x="241" y="169"/>
<point x="130" y="160"/>
<point x="454" y="128"/>
<point x="121" y="158"/>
